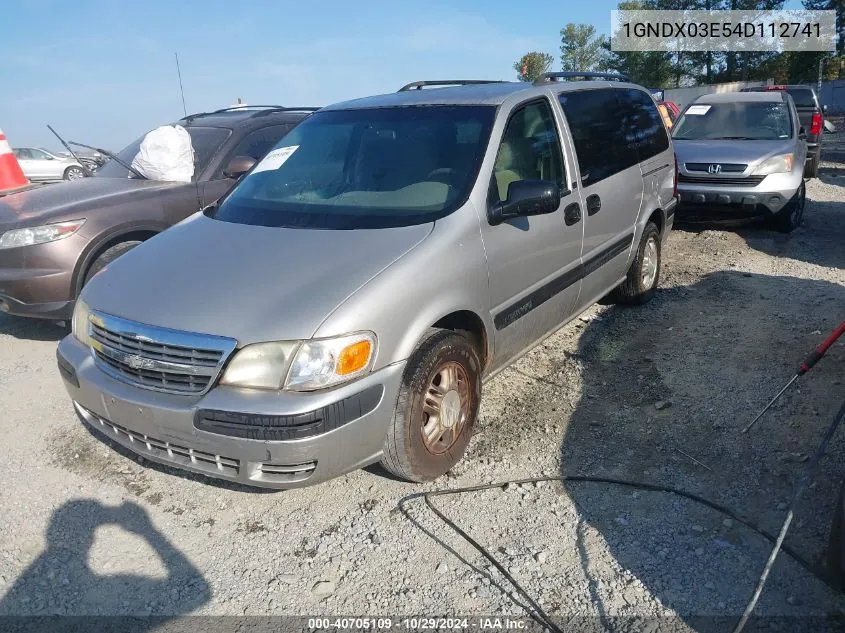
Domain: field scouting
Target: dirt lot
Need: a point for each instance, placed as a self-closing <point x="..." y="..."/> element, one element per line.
<point x="86" y="530"/>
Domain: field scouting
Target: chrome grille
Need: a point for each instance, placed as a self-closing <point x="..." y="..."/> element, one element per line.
<point x="748" y="181"/>
<point x="727" y="168"/>
<point x="167" y="451"/>
<point x="157" y="358"/>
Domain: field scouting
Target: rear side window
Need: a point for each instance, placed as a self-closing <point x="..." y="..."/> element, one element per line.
<point x="258" y="142"/>
<point x="803" y="97"/>
<point x="644" y="129"/>
<point x="601" y="143"/>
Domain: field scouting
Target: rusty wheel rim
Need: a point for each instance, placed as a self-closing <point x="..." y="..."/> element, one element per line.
<point x="446" y="404"/>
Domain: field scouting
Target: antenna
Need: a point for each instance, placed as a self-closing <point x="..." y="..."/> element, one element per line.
<point x="181" y="90"/>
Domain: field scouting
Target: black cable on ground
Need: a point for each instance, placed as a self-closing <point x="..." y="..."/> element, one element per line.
<point x="542" y="618"/>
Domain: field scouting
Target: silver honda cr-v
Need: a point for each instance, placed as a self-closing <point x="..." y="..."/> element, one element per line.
<point x="741" y="155"/>
<point x="342" y="305"/>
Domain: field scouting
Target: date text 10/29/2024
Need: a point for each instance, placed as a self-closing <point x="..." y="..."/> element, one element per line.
<point x="481" y="623"/>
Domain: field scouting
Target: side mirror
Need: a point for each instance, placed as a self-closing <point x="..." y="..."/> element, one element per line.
<point x="48" y="157"/>
<point x="802" y="133"/>
<point x="525" y="198"/>
<point x="238" y="166"/>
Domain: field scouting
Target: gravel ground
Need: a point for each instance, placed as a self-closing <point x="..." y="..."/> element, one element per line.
<point x="655" y="394"/>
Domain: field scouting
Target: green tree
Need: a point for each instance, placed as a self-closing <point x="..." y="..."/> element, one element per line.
<point x="581" y="49"/>
<point x="531" y="65"/>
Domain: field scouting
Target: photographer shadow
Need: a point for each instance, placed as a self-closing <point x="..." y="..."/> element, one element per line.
<point x="61" y="582"/>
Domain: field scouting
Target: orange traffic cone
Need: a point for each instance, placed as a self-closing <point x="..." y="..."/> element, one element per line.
<point x="11" y="174"/>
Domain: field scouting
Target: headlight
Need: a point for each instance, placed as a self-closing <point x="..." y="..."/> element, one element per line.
<point x="260" y="366"/>
<point x="39" y="234"/>
<point x="776" y="165"/>
<point x="79" y="323"/>
<point x="328" y="362"/>
<point x="301" y="366"/>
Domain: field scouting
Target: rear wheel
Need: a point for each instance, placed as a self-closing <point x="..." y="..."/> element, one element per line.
<point x="108" y="256"/>
<point x="74" y="173"/>
<point x="436" y="408"/>
<point x="790" y="217"/>
<point x="644" y="274"/>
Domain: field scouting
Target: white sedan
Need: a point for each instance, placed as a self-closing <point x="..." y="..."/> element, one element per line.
<point x="39" y="164"/>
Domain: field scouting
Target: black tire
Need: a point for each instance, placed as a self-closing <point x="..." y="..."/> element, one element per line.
<point x="836" y="544"/>
<point x="406" y="454"/>
<point x="633" y="291"/>
<point x="811" y="169"/>
<point x="74" y="173"/>
<point x="790" y="217"/>
<point x="108" y="256"/>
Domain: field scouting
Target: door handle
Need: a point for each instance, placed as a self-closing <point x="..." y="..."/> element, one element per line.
<point x="593" y="204"/>
<point x="572" y="214"/>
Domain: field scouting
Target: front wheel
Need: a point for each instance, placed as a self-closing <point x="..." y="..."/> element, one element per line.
<point x="790" y="217"/>
<point x="108" y="256"/>
<point x="436" y="408"/>
<point x="811" y="169"/>
<point x="643" y="275"/>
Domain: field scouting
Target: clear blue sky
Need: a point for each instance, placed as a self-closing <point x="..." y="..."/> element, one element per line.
<point x="103" y="71"/>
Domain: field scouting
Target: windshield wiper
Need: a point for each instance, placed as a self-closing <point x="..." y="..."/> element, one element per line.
<point x="113" y="157"/>
<point x="732" y="138"/>
<point x="85" y="167"/>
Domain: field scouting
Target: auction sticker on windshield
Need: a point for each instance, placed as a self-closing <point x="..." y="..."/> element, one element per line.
<point x="698" y="109"/>
<point x="275" y="159"/>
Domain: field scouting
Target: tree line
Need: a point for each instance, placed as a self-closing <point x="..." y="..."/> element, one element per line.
<point x="583" y="49"/>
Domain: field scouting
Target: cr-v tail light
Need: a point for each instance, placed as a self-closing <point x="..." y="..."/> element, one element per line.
<point x="816" y="124"/>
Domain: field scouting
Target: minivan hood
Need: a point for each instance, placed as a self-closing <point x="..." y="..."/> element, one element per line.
<point x="250" y="283"/>
<point x="70" y="200"/>
<point x="747" y="152"/>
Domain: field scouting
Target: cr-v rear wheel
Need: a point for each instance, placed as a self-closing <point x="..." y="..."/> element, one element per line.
<point x="644" y="273"/>
<point x="436" y="409"/>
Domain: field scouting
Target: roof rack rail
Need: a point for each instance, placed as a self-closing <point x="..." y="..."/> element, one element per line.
<point x="418" y="85"/>
<point x="550" y="77"/>
<point x="263" y="109"/>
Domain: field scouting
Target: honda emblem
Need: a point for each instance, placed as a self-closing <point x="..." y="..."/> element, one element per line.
<point x="715" y="169"/>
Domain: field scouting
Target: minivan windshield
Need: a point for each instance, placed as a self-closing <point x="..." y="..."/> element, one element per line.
<point x="205" y="141"/>
<point x="752" y="121"/>
<point x="368" y="168"/>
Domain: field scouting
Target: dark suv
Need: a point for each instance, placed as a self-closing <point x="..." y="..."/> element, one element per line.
<point x="53" y="239"/>
<point x="811" y="116"/>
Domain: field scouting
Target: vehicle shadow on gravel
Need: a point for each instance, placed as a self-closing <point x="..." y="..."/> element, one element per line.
<point x="648" y="413"/>
<point x="31" y="329"/>
<point x="817" y="241"/>
<point x="61" y="582"/>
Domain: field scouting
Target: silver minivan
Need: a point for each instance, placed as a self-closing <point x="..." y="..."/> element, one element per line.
<point x="344" y="302"/>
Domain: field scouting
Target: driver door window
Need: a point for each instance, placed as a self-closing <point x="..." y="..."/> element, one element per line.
<point x="530" y="150"/>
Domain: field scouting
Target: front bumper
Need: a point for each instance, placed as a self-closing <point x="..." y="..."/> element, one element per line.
<point x="37" y="281"/>
<point x="769" y="197"/>
<point x="166" y="427"/>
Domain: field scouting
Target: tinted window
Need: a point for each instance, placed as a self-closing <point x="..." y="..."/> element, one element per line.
<point x="205" y="140"/>
<point x="258" y="142"/>
<point x="371" y="168"/>
<point x="601" y="144"/>
<point x="530" y="149"/>
<point x="803" y="97"/>
<point x="645" y="131"/>
<point x="23" y="154"/>
<point x="753" y="121"/>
